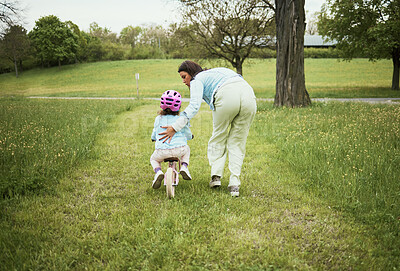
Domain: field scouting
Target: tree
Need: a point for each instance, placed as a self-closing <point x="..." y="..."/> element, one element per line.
<point x="178" y="45"/>
<point x="81" y="41"/>
<point x="290" y="79"/>
<point x="104" y="34"/>
<point x="9" y="13"/>
<point x="15" y="45"/>
<point x="94" y="50"/>
<point x="53" y="40"/>
<point x="129" y="35"/>
<point x="312" y="23"/>
<point x="153" y="35"/>
<point x="228" y="29"/>
<point x="369" y="27"/>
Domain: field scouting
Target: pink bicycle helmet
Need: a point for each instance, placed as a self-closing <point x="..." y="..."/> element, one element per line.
<point x="171" y="99"/>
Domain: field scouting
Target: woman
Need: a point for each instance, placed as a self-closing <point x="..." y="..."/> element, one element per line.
<point x="234" y="105"/>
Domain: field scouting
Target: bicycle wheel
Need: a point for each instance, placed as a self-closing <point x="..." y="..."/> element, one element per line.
<point x="169" y="179"/>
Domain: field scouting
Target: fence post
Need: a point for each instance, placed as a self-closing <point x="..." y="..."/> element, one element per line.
<point x="137" y="84"/>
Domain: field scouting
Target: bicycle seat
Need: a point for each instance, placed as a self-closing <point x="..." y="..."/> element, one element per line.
<point x="171" y="159"/>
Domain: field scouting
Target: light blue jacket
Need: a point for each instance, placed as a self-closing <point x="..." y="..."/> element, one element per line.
<point x="203" y="86"/>
<point x="179" y="139"/>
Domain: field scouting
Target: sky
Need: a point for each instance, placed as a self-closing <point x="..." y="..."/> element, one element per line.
<point x="113" y="14"/>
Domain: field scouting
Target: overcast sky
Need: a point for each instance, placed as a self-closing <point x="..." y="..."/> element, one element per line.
<point x="113" y="14"/>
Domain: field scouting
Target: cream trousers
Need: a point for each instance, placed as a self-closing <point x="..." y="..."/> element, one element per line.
<point x="235" y="108"/>
<point x="158" y="156"/>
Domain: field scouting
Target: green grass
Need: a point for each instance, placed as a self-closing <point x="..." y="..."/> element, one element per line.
<point x="324" y="78"/>
<point x="319" y="188"/>
<point x="40" y="140"/>
<point x="331" y="78"/>
<point x="346" y="153"/>
<point x="319" y="191"/>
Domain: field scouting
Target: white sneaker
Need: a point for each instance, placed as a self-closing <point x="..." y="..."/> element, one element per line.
<point x="234" y="189"/>
<point x="215" y="181"/>
<point x="185" y="173"/>
<point x="157" y="179"/>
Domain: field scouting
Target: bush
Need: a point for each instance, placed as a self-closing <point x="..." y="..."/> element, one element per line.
<point x="114" y="51"/>
<point x="263" y="53"/>
<point x="321" y="53"/>
<point x="145" y="52"/>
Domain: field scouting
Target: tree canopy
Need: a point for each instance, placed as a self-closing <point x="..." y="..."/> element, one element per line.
<point x="53" y="40"/>
<point x="129" y="35"/>
<point x="9" y="13"/>
<point x="228" y="29"/>
<point x="370" y="27"/>
<point x="15" y="45"/>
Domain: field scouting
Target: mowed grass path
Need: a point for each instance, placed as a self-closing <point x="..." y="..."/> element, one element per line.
<point x="106" y="216"/>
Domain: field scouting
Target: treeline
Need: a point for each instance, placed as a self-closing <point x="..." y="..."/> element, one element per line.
<point x="53" y="42"/>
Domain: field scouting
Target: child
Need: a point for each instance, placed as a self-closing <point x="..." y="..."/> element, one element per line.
<point x="170" y="104"/>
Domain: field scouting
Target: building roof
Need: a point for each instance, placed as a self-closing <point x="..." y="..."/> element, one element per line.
<point x="317" y="41"/>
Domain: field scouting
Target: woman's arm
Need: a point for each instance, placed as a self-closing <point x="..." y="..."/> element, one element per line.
<point x="196" y="95"/>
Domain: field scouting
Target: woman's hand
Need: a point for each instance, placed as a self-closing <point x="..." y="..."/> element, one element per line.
<point x="168" y="133"/>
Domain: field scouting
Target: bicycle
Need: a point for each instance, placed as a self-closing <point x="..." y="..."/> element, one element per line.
<point x="171" y="177"/>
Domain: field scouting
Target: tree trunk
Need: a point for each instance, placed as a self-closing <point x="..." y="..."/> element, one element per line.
<point x="21" y="67"/>
<point x="239" y="68"/>
<point x="396" y="67"/>
<point x="16" y="67"/>
<point x="290" y="80"/>
<point x="237" y="63"/>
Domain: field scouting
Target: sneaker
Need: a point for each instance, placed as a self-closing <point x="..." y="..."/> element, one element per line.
<point x="157" y="179"/>
<point x="234" y="190"/>
<point x="185" y="173"/>
<point x="215" y="181"/>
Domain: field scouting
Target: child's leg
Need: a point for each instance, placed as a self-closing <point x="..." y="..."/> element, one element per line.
<point x="155" y="160"/>
<point x="185" y="155"/>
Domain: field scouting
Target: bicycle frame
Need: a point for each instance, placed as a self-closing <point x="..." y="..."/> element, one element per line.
<point x="171" y="177"/>
<point x="173" y="165"/>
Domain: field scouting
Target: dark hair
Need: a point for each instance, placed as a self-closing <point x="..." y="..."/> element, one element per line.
<point x="192" y="68"/>
<point x="168" y="111"/>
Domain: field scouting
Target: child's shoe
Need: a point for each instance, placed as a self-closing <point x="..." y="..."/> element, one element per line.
<point x="185" y="173"/>
<point x="157" y="179"/>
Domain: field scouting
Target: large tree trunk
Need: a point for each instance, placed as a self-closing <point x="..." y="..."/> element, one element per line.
<point x="396" y="67"/>
<point x="290" y="80"/>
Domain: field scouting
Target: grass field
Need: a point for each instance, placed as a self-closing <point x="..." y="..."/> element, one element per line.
<point x="319" y="188"/>
<point x="324" y="78"/>
<point x="316" y="194"/>
<point x="40" y="140"/>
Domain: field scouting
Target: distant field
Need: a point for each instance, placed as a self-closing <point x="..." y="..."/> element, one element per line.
<point x="324" y="78"/>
